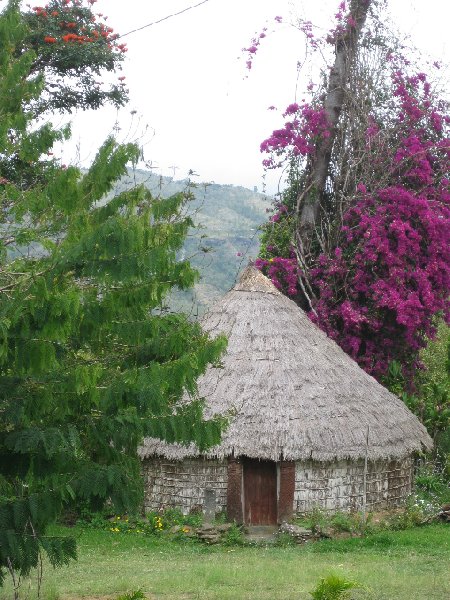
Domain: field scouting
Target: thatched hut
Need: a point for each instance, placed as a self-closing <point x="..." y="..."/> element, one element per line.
<point x="309" y="426"/>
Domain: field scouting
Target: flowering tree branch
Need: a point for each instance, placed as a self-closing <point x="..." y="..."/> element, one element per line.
<point x="360" y="237"/>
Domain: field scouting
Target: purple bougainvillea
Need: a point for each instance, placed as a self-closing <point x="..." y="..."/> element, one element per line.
<point x="390" y="275"/>
<point x="379" y="286"/>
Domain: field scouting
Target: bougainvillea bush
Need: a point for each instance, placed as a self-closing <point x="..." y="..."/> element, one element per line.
<point x="377" y="266"/>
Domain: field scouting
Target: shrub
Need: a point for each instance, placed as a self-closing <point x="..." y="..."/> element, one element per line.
<point x="284" y="540"/>
<point x="333" y="587"/>
<point x="234" y="537"/>
<point x="154" y="522"/>
<point x="133" y="595"/>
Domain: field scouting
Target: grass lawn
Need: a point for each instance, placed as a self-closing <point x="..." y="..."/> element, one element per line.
<point x="405" y="565"/>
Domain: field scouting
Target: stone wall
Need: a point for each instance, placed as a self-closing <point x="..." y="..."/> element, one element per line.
<point x="191" y="484"/>
<point x="202" y="484"/>
<point x="340" y="485"/>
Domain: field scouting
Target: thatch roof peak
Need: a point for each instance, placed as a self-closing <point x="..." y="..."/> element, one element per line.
<point x="294" y="392"/>
<point x="252" y="280"/>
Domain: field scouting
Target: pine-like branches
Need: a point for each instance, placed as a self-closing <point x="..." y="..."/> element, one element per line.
<point x="88" y="363"/>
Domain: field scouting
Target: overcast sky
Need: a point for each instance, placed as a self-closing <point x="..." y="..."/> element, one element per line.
<point x="194" y="106"/>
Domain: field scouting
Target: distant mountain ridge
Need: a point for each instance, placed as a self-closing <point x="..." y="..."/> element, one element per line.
<point x="227" y="219"/>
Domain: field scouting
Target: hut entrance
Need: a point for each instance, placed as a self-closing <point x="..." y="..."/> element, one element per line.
<point x="260" y="492"/>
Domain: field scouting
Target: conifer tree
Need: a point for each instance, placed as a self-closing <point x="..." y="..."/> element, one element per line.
<point x="89" y="364"/>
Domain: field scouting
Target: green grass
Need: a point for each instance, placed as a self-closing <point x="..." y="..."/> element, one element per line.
<point x="405" y="565"/>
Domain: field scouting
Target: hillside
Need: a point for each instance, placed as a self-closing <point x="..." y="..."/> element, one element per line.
<point x="226" y="236"/>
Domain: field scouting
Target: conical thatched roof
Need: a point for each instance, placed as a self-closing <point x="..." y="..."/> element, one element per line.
<point x="294" y="393"/>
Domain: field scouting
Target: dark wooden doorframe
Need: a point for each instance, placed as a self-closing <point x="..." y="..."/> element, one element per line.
<point x="260" y="492"/>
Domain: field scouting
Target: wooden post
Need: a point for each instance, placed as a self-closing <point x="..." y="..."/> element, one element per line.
<point x="364" y="506"/>
<point x="287" y="488"/>
<point x="234" y="490"/>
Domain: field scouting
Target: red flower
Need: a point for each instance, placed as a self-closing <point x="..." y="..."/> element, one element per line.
<point x="50" y="40"/>
<point x="40" y="11"/>
<point x="70" y="36"/>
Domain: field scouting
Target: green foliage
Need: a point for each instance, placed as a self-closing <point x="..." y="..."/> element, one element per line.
<point x="314" y="520"/>
<point x="420" y="508"/>
<point x="343" y="522"/>
<point x="412" y="515"/>
<point x="174" y="516"/>
<point x="154" y="522"/>
<point x="284" y="540"/>
<point x="133" y="595"/>
<point x="276" y="238"/>
<point x="431" y="399"/>
<point x="277" y="234"/>
<point x="89" y="364"/>
<point x="436" y="358"/>
<point x="432" y="484"/>
<point x="234" y="537"/>
<point x="333" y="587"/>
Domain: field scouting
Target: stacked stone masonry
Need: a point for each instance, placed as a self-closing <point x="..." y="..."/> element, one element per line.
<point x="183" y="484"/>
<point x="335" y="486"/>
<point x="340" y="486"/>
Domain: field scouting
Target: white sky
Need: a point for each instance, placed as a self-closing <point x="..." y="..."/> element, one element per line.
<point x="187" y="81"/>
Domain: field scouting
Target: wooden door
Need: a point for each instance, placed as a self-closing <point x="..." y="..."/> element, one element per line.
<point x="260" y="492"/>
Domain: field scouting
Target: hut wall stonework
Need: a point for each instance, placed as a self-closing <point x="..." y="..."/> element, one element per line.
<point x="182" y="484"/>
<point x="330" y="486"/>
<point x="340" y="485"/>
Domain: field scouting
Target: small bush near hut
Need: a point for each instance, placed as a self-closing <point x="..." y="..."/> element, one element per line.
<point x="133" y="595"/>
<point x="234" y="536"/>
<point x="333" y="587"/>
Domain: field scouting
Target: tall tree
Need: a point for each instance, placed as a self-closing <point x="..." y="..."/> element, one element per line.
<point x="89" y="363"/>
<point x="311" y="199"/>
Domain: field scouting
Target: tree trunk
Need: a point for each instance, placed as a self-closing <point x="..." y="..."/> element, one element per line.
<point x="310" y="199"/>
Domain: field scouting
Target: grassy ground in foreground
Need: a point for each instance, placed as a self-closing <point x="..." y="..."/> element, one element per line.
<point x="404" y="565"/>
